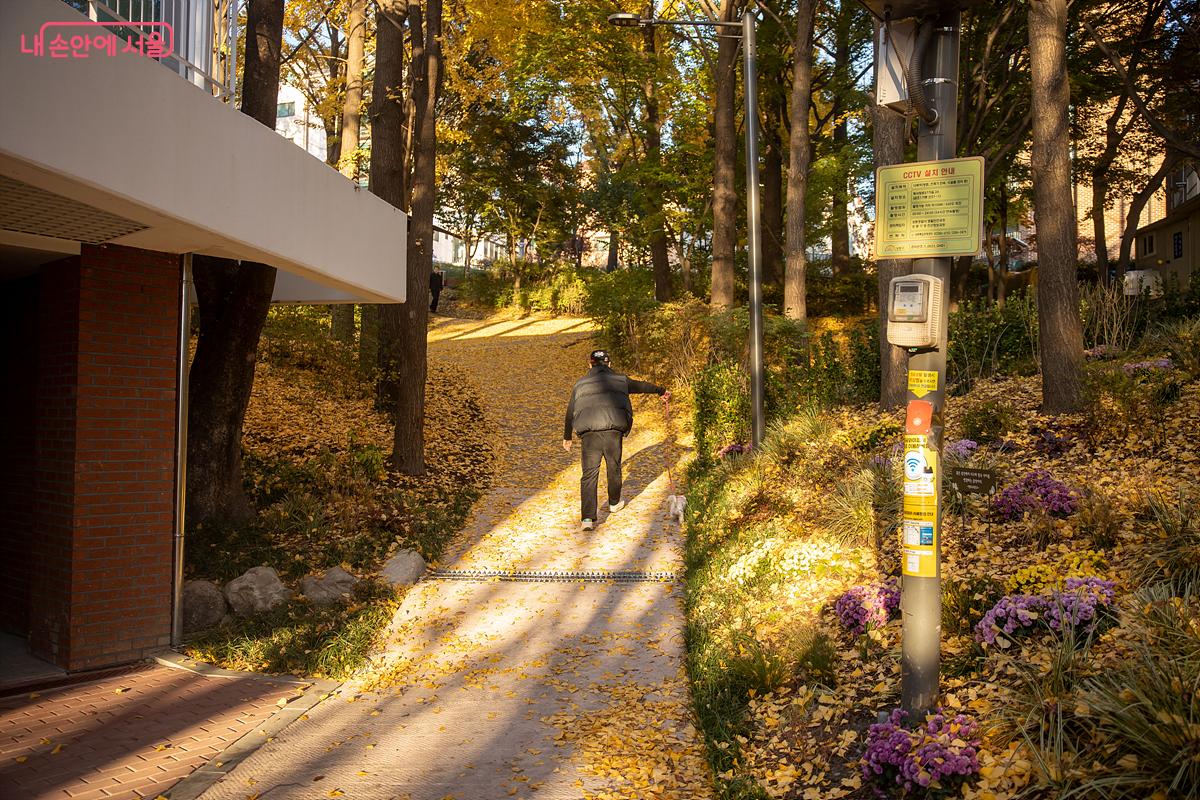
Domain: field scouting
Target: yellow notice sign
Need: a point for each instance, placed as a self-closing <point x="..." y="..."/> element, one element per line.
<point x="922" y="381"/>
<point x="919" y="520"/>
<point x="929" y="208"/>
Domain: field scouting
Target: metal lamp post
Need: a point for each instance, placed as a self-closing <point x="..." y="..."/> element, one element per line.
<point x="754" y="236"/>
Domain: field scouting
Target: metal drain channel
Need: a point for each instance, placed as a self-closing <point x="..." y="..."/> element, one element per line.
<point x="552" y="576"/>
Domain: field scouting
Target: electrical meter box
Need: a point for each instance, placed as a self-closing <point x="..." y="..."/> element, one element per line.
<point x="915" y="310"/>
<point x="895" y="49"/>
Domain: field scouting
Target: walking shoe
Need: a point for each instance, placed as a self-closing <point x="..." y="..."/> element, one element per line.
<point x="588" y="524"/>
<point x="615" y="508"/>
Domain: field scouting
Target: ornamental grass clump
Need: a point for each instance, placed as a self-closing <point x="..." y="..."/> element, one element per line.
<point x="863" y="607"/>
<point x="934" y="760"/>
<point x="1037" y="491"/>
<point x="1081" y="608"/>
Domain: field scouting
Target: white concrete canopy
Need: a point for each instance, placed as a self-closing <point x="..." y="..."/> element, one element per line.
<point x="127" y="136"/>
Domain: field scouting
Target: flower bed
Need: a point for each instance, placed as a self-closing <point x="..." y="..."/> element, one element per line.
<point x="933" y="760"/>
<point x="863" y="607"/>
<point x="1081" y="606"/>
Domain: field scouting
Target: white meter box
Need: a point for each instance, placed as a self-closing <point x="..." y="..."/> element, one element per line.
<point x="915" y="309"/>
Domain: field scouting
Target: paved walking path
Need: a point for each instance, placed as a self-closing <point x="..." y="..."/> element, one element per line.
<point x="490" y="690"/>
<point x="131" y="735"/>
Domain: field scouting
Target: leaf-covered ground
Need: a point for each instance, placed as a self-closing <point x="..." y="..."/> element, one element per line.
<point x="510" y="689"/>
<point x="775" y="540"/>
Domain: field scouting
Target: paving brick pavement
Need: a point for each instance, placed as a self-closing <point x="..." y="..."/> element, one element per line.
<point x="128" y="736"/>
<point x="490" y="690"/>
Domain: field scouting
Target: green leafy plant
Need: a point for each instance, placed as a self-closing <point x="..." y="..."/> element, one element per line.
<point x="987" y="421"/>
<point x="1098" y="518"/>
<point x="1171" y="554"/>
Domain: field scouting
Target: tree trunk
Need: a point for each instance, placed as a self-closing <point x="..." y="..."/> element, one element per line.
<point x="408" y="453"/>
<point x="887" y="142"/>
<point x="356" y="34"/>
<point x="1060" y="337"/>
<point x="1137" y="205"/>
<point x="1002" y="289"/>
<point x="800" y="155"/>
<point x="654" y="191"/>
<point x="368" y="340"/>
<point x="341" y="323"/>
<point x="839" y="220"/>
<point x="233" y="301"/>
<point x="614" y="253"/>
<point x="724" y="238"/>
<point x="387" y="178"/>
<point x="772" y="189"/>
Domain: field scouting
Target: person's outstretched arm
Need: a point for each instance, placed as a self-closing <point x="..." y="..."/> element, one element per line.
<point x="567" y="423"/>
<point x="644" y="387"/>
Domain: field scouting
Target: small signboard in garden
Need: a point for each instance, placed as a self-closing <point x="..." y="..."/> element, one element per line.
<point x="972" y="481"/>
<point x="929" y="209"/>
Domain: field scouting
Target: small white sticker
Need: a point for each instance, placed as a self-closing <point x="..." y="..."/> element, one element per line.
<point x="914" y="563"/>
<point x="914" y="465"/>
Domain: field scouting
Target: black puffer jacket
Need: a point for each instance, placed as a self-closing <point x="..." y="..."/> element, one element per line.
<point x="600" y="401"/>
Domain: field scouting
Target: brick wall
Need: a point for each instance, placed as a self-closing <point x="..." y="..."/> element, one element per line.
<point x="57" y="336"/>
<point x="105" y="461"/>
<point x="18" y="355"/>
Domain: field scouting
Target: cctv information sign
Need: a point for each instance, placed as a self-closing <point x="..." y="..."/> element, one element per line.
<point x="929" y="209"/>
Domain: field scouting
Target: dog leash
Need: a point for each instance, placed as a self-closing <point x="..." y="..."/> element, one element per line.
<point x="671" y="433"/>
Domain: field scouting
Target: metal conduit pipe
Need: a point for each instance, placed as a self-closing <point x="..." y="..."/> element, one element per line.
<point x="181" y="416"/>
<point x="913" y="78"/>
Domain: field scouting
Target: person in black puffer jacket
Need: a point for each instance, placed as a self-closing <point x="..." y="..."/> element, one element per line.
<point x="601" y="414"/>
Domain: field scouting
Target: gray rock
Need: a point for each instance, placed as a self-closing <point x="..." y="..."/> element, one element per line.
<point x="203" y="605"/>
<point x="328" y="588"/>
<point x="404" y="569"/>
<point x="257" y="591"/>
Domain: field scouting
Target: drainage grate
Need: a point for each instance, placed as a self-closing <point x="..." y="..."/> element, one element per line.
<point x="551" y="576"/>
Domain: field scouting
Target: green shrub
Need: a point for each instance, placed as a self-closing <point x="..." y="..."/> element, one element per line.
<point x="965" y="601"/>
<point x="300" y="638"/>
<point x="487" y="290"/>
<point x="617" y="302"/>
<point x="1121" y="398"/>
<point x="991" y="340"/>
<point x="1098" y="519"/>
<point x="830" y="372"/>
<point x="987" y="421"/>
<point x="1171" y="553"/>
<point x="1181" y="340"/>
<point x="1144" y="710"/>
<point x="722" y="409"/>
<point x="848" y="513"/>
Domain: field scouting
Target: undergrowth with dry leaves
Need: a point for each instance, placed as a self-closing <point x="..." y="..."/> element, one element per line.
<point x="1098" y="702"/>
<point x="315" y="464"/>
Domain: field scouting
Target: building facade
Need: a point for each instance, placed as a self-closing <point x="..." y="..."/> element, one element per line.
<point x="117" y="162"/>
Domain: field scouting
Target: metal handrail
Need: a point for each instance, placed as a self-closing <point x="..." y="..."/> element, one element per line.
<point x="205" y="30"/>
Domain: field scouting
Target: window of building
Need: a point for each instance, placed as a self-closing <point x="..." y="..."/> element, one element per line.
<point x="1148" y="244"/>
<point x="1177" y="244"/>
<point x="285" y="110"/>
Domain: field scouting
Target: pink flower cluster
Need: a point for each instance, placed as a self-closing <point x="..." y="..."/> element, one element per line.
<point x="933" y="760"/>
<point x="1036" y="491"/>
<point x="1081" y="605"/>
<point x="860" y="607"/>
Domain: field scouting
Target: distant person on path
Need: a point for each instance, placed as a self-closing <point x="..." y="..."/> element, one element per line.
<point x="601" y="414"/>
<point x="436" y="281"/>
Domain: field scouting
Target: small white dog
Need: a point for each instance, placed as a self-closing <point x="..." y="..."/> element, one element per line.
<point x="677" y="504"/>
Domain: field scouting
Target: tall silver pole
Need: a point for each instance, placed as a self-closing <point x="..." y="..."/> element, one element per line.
<point x="749" y="50"/>
<point x="921" y="610"/>
<point x="181" y="416"/>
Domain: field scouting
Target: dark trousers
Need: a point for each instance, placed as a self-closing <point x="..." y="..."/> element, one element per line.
<point x="597" y="445"/>
<point x="433" y="303"/>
